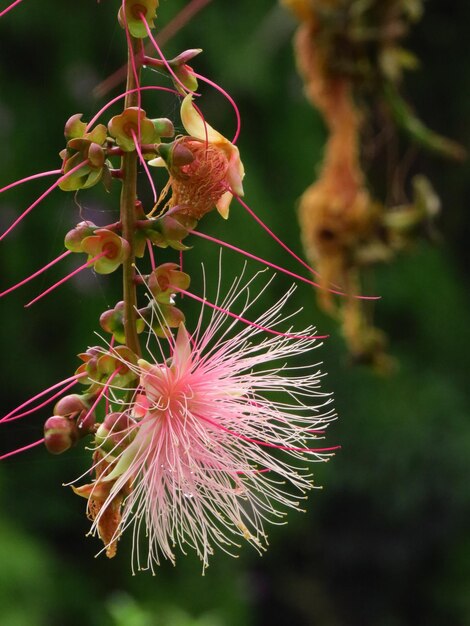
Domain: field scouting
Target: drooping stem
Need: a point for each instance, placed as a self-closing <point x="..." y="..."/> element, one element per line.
<point x="127" y="207"/>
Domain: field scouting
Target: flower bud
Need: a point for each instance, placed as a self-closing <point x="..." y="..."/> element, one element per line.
<point x="74" y="127"/>
<point x="164" y="127"/>
<point x="74" y="238"/>
<point x="115" y="430"/>
<point x="71" y="405"/>
<point x="60" y="434"/>
<point x="175" y="154"/>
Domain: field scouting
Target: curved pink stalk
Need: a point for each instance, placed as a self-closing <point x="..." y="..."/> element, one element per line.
<point x="266" y="444"/>
<point x="286" y="248"/>
<point x="41" y="197"/>
<point x="216" y="307"/>
<point x="123" y="95"/>
<point x="65" y="278"/>
<point x="76" y="377"/>
<point x="264" y="261"/>
<point x="133" y="63"/>
<point x="271" y="234"/>
<point x="145" y="166"/>
<point x="24" y="448"/>
<point x="204" y="122"/>
<point x="100" y="395"/>
<point x="228" y="97"/>
<point x="151" y="255"/>
<point x="162" y="56"/>
<point x="9" y="8"/>
<point x="42" y="405"/>
<point x="28" y="178"/>
<point x="164" y="35"/>
<point x="38" y="273"/>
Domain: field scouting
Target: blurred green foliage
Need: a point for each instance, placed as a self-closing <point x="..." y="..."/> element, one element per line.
<point x="386" y="542"/>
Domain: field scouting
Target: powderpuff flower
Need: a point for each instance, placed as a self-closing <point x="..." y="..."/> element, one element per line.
<point x="216" y="442"/>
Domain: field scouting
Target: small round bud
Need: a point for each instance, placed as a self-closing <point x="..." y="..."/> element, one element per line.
<point x="60" y="434"/>
<point x="115" y="430"/>
<point x="70" y="405"/>
<point x="74" y="238"/>
<point x="164" y="127"/>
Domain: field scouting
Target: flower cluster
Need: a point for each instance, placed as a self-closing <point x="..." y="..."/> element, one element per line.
<point x="198" y="437"/>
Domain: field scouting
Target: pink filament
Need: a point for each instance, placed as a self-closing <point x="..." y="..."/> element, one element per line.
<point x="133" y="64"/>
<point x="243" y="319"/>
<point x="287" y="249"/>
<point x="40" y="406"/>
<point x="145" y="166"/>
<point x="65" y="278"/>
<point x="123" y="95"/>
<point x="41" y="197"/>
<point x="204" y="122"/>
<point x="264" y="261"/>
<point x="229" y="98"/>
<point x="266" y="444"/>
<point x="151" y="255"/>
<point x="101" y="394"/>
<point x="28" y="178"/>
<point x="162" y="56"/>
<point x="164" y="35"/>
<point x="24" y="448"/>
<point x="74" y="378"/>
<point x="9" y="8"/>
<point x="43" y="269"/>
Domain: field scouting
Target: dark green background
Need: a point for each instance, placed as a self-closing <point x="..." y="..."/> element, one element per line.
<point x="386" y="542"/>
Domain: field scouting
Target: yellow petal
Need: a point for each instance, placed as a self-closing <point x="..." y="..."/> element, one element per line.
<point x="157" y="162"/>
<point x="223" y="204"/>
<point x="196" y="126"/>
<point x="235" y="172"/>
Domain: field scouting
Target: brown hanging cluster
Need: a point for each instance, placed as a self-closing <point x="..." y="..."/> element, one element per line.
<point x="349" y="57"/>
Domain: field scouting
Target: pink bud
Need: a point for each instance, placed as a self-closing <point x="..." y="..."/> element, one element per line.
<point x="60" y="434"/>
<point x="69" y="405"/>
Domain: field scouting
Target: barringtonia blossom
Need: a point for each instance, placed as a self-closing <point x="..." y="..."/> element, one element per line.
<point x="216" y="442"/>
<point x="213" y="171"/>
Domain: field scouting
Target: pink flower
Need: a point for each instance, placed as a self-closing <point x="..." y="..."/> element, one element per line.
<point x="217" y="432"/>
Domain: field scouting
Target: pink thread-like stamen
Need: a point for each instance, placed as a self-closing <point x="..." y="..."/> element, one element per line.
<point x="28" y="178"/>
<point x="264" y="261"/>
<point x="228" y="97"/>
<point x="24" y="448"/>
<point x="162" y="56"/>
<point x="204" y="122"/>
<point x="151" y="254"/>
<point x="254" y="471"/>
<point x="286" y="248"/>
<point x="9" y="8"/>
<point x="41" y="197"/>
<point x="145" y="166"/>
<point x="65" y="278"/>
<point x="266" y="444"/>
<point x="42" y="405"/>
<point x="75" y="378"/>
<point x="38" y="273"/>
<point x="133" y="64"/>
<point x="123" y="95"/>
<point x="106" y="408"/>
<point x="101" y="394"/>
<point x="165" y="34"/>
<point x="243" y="319"/>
